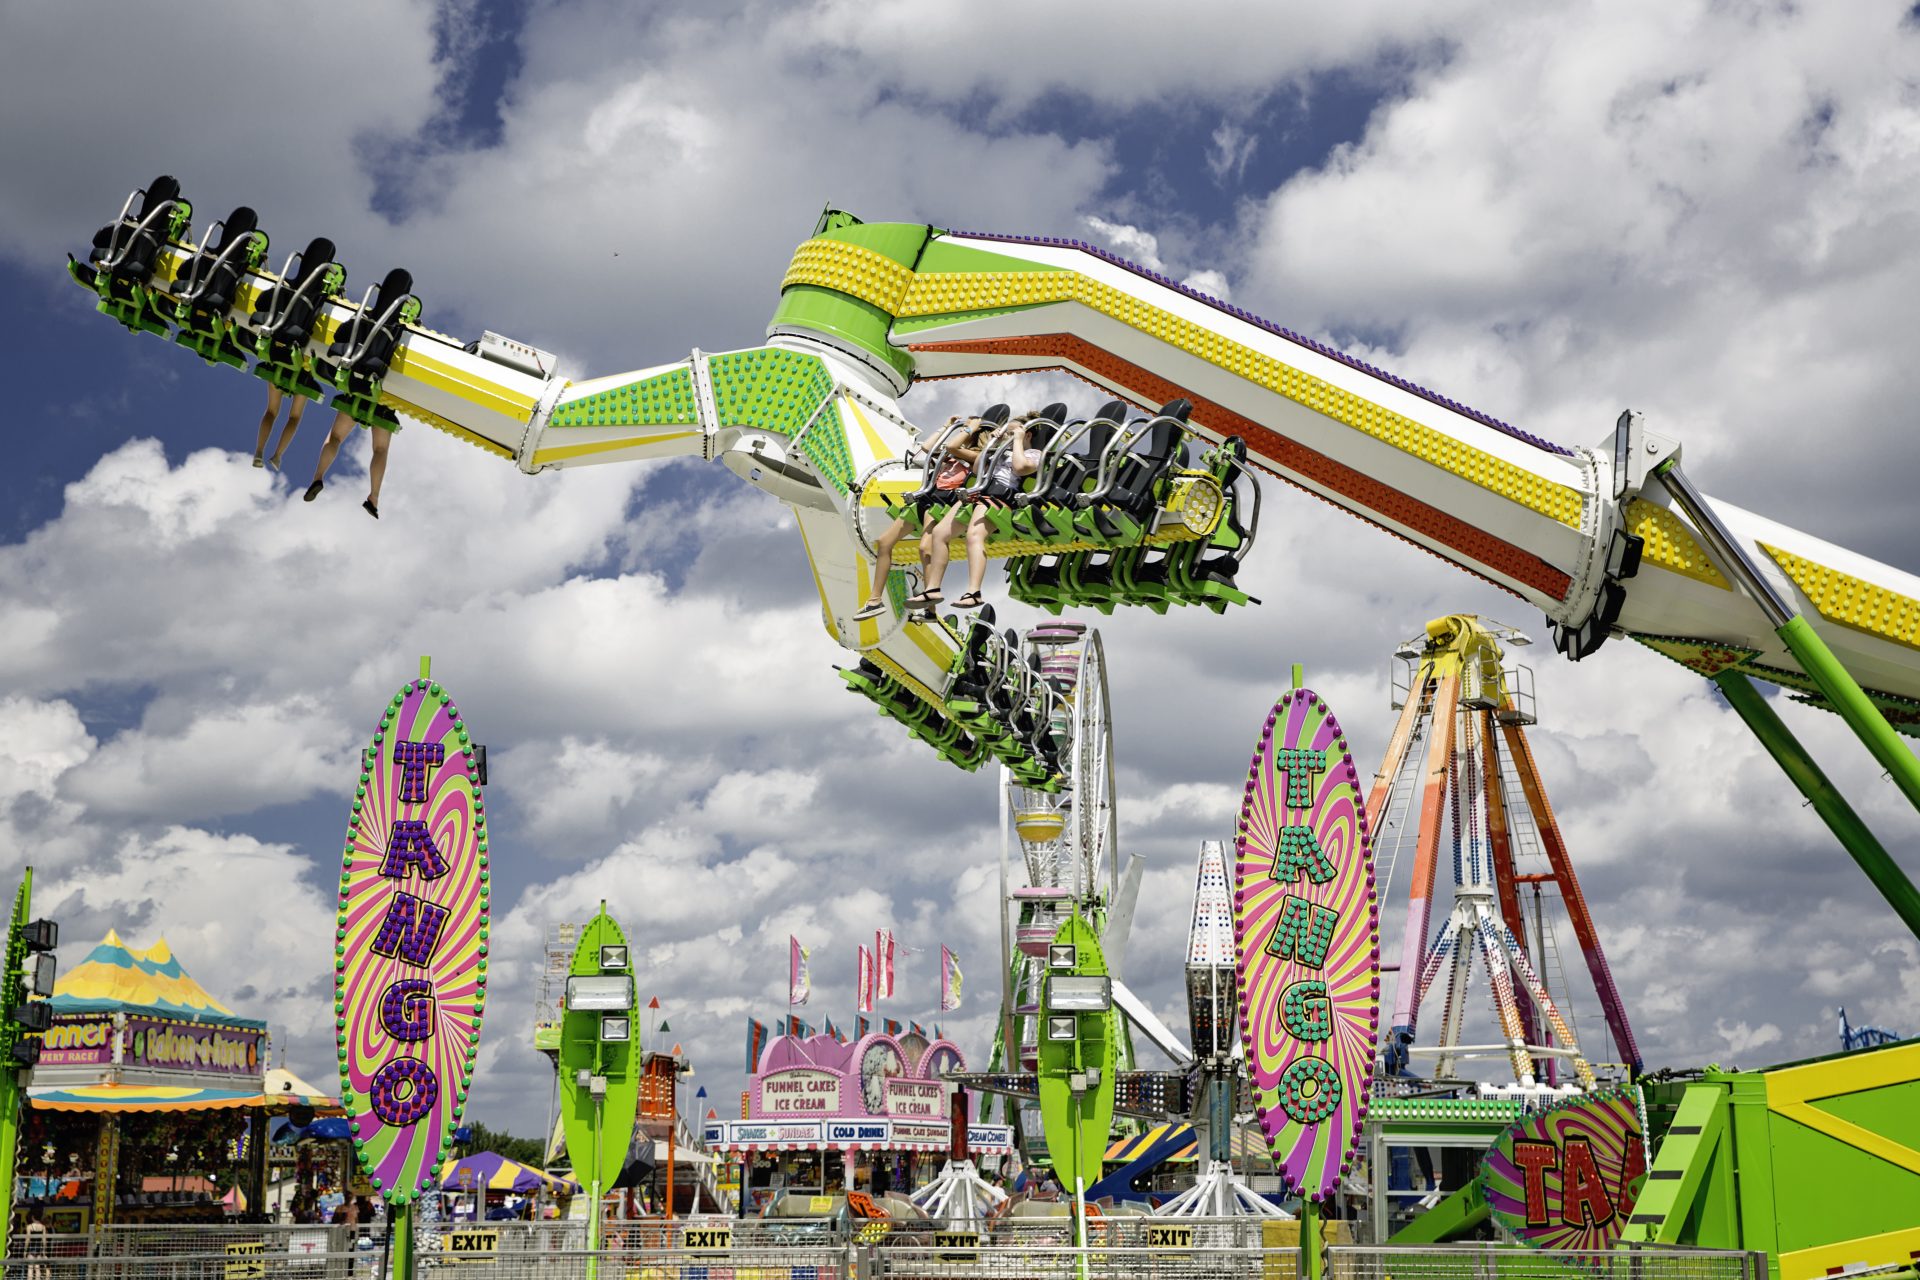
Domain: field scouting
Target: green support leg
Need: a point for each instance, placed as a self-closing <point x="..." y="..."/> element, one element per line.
<point x="400" y="1230"/>
<point x="1310" y="1241"/>
<point x="15" y="989"/>
<point x="1462" y="1210"/>
<point x="1851" y="701"/>
<point x="1814" y="785"/>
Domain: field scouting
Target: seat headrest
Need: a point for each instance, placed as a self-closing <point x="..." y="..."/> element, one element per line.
<point x="1113" y="411"/>
<point x="317" y="254"/>
<point x="1055" y="412"/>
<point x="397" y="284"/>
<point x="242" y="221"/>
<point x="996" y="415"/>
<point x="162" y="189"/>
<point x="1177" y="408"/>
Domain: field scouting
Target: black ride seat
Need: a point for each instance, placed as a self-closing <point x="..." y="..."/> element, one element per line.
<point x="209" y="280"/>
<point x="286" y="312"/>
<point x="371" y="335"/>
<point x="1071" y="470"/>
<point x="138" y="244"/>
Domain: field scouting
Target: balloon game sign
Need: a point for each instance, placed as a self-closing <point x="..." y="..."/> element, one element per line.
<point x="410" y="945"/>
<point x="1307" y="943"/>
<point x="1568" y="1177"/>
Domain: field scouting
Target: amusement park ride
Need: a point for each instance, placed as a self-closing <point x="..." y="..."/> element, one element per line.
<point x="1153" y="500"/>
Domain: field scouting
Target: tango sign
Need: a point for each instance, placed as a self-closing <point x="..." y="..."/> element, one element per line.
<point x="1306" y="931"/>
<point x="410" y="952"/>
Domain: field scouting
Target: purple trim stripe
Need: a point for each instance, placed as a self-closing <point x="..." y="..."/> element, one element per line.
<point x="1240" y="313"/>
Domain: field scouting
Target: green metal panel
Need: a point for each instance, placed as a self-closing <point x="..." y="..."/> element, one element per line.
<point x="661" y="400"/>
<point x="852" y="320"/>
<point x="945" y="255"/>
<point x="768" y="388"/>
<point x="605" y="1129"/>
<point x="1826" y="1190"/>
<point x="1454" y="1216"/>
<point x="1077" y="1125"/>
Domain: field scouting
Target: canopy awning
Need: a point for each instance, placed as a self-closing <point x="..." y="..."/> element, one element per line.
<point x="491" y="1171"/>
<point x="117" y="1097"/>
<point x="154" y="1097"/>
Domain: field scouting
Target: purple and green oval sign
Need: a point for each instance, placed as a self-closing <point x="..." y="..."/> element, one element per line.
<point x="1568" y="1177"/>
<point x="1306" y="933"/>
<point x="410" y="945"/>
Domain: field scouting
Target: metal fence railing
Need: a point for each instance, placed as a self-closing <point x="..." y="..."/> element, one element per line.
<point x="1500" y="1262"/>
<point x="822" y="1249"/>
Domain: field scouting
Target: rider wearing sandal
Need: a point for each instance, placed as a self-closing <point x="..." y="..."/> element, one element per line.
<point x="1008" y="464"/>
<point x="960" y="444"/>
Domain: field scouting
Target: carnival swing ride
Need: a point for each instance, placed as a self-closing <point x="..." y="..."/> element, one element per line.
<point x="1155" y="509"/>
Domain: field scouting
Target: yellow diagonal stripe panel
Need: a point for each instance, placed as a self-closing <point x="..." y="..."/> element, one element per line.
<point x="1850" y="601"/>
<point x="1670" y="544"/>
<point x="959" y="291"/>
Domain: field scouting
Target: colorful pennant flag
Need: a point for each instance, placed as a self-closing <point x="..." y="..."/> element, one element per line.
<point x="949" y="981"/>
<point x="893" y="1027"/>
<point x="917" y="1029"/>
<point x="883" y="964"/>
<point x="799" y="984"/>
<point x="756" y="1042"/>
<point x="866" y="981"/>
<point x="862" y="1026"/>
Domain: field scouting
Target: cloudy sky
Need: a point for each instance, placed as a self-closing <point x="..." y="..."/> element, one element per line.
<point x="1703" y="210"/>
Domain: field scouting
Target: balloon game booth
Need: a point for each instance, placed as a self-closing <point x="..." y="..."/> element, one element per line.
<point x="151" y="1101"/>
<point x="822" y="1116"/>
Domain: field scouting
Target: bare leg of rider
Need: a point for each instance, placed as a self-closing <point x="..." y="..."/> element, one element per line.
<point x="377" y="470"/>
<point x="286" y="432"/>
<point x="266" y="424"/>
<point x="342" y="428"/>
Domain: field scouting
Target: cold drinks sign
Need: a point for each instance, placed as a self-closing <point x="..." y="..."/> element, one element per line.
<point x="410" y="945"/>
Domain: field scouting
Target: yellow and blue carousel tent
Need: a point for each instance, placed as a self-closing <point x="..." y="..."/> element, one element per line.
<point x="491" y="1171"/>
<point x="114" y="978"/>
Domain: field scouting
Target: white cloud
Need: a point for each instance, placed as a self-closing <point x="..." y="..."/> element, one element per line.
<point x="1714" y="228"/>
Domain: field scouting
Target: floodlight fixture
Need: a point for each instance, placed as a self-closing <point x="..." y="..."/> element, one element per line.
<point x="1406" y="652"/>
<point x="615" y="1028"/>
<point x="40" y="978"/>
<point x="607" y="994"/>
<point x="1068" y="993"/>
<point x="1063" y="1028"/>
<point x="613" y="956"/>
<point x="1062" y="955"/>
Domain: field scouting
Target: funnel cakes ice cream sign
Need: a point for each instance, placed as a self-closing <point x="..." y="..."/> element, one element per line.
<point x="410" y="945"/>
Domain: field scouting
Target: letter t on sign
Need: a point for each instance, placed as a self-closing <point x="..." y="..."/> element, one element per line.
<point x="1300" y="765"/>
<point x="414" y="759"/>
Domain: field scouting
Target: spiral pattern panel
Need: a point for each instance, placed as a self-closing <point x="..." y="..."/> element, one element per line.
<point x="1307" y="943"/>
<point x="1568" y="1178"/>
<point x="409" y="981"/>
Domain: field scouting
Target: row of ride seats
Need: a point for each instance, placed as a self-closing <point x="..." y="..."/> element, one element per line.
<point x="1103" y="481"/>
<point x="1008" y="704"/>
<point x="278" y="329"/>
<point x="923" y="720"/>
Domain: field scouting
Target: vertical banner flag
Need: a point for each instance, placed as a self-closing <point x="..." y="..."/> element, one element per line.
<point x="949" y="981"/>
<point x="799" y="983"/>
<point x="866" y="980"/>
<point x="410" y="950"/>
<point x="1306" y="932"/>
<point x="883" y="964"/>
<point x="862" y="1024"/>
<point x="756" y="1042"/>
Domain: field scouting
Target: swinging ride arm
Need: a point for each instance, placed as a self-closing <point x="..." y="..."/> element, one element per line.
<point x="1593" y="537"/>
